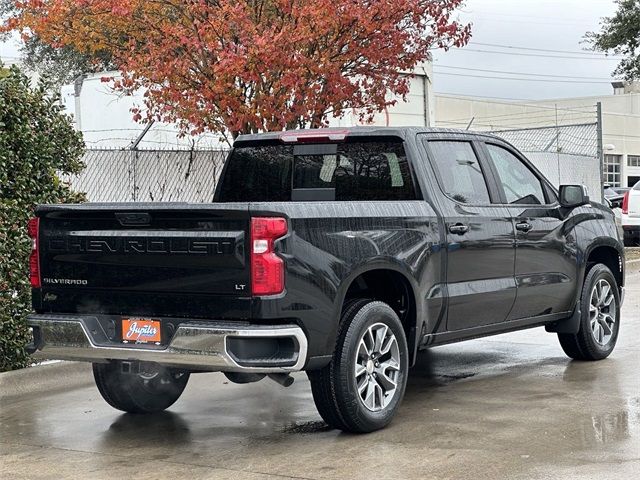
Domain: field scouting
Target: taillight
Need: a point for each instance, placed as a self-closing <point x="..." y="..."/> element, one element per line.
<point x="625" y="203"/>
<point x="33" y="227"/>
<point x="267" y="268"/>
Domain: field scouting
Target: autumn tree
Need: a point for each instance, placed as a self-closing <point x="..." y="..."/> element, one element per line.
<point x="242" y="66"/>
<point x="620" y="35"/>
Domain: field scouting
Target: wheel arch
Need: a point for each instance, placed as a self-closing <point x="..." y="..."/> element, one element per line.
<point x="391" y="283"/>
<point x="605" y="250"/>
<point x="608" y="252"/>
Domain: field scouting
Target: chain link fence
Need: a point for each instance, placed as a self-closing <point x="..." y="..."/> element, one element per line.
<point x="149" y="175"/>
<point x="566" y="154"/>
<point x="565" y="144"/>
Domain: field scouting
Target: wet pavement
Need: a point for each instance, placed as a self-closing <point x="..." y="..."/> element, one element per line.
<point x="511" y="406"/>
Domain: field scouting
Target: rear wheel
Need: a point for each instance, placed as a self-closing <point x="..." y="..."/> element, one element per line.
<point x="362" y="387"/>
<point x="600" y="319"/>
<point x="152" y="389"/>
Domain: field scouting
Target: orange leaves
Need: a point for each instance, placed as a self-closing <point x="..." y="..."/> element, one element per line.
<point x="251" y="65"/>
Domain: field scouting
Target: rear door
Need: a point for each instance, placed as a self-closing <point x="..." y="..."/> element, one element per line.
<point x="545" y="268"/>
<point x="480" y="238"/>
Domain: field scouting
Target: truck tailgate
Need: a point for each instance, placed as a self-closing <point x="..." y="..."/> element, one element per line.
<point x="157" y="259"/>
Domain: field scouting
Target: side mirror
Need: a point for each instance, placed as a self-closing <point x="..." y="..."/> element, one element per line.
<point x="572" y="196"/>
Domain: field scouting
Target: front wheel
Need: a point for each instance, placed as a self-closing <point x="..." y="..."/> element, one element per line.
<point x="152" y="389"/>
<point x="361" y="389"/>
<point x="600" y="320"/>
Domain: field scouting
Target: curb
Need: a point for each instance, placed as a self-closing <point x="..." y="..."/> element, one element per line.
<point x="44" y="379"/>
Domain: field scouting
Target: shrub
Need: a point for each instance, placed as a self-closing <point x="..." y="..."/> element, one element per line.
<point x="37" y="143"/>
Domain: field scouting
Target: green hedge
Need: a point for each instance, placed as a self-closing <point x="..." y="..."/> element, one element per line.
<point x="37" y="141"/>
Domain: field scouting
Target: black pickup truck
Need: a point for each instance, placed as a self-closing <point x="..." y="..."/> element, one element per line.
<point x="339" y="252"/>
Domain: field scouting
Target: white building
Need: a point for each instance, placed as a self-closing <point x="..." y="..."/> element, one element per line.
<point x="8" y="61"/>
<point x="105" y="117"/>
<point x="620" y="122"/>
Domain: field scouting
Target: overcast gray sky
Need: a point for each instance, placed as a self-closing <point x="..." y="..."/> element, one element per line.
<point x="9" y="49"/>
<point x="557" y="25"/>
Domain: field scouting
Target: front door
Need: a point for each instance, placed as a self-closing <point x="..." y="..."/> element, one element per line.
<point x="545" y="270"/>
<point x="480" y="239"/>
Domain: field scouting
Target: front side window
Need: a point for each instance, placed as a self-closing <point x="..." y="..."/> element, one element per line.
<point x="356" y="170"/>
<point x="520" y="184"/>
<point x="460" y="173"/>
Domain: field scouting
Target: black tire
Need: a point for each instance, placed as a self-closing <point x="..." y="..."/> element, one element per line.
<point x="154" y="389"/>
<point x="583" y="345"/>
<point x="335" y="387"/>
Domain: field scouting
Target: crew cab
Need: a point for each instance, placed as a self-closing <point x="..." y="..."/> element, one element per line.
<point x="338" y="252"/>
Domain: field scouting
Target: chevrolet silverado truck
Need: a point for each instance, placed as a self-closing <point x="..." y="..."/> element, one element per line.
<point x="338" y="252"/>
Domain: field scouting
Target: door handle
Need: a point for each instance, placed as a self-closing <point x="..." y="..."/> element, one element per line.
<point x="524" y="226"/>
<point x="458" y="229"/>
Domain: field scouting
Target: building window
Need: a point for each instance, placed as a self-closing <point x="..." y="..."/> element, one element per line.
<point x="633" y="160"/>
<point x="612" y="169"/>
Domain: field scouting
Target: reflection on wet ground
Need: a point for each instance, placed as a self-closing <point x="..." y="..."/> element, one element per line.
<point x="511" y="406"/>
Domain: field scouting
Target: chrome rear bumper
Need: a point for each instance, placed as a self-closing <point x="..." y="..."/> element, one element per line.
<point x="194" y="346"/>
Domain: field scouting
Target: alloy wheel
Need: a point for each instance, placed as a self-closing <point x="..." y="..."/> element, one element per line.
<point x="377" y="367"/>
<point x="602" y="312"/>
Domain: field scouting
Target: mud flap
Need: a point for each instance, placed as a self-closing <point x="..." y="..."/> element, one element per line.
<point x="568" y="325"/>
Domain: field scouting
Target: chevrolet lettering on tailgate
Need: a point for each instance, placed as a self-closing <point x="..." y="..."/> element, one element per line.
<point x="140" y="245"/>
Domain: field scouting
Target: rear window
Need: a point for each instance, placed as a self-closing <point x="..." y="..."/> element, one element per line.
<point x="362" y="170"/>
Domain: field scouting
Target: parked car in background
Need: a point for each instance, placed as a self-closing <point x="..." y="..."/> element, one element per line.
<point x="614" y="195"/>
<point x="621" y="190"/>
<point x="339" y="252"/>
<point x="631" y="216"/>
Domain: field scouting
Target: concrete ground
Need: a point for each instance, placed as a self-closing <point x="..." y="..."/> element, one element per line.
<point x="511" y="406"/>
<point x="632" y="253"/>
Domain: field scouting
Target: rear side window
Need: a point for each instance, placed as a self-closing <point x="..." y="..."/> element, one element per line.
<point x="521" y="185"/>
<point x="362" y="170"/>
<point x="460" y="173"/>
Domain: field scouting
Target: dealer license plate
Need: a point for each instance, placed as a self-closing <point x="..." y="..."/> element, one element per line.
<point x="141" y="330"/>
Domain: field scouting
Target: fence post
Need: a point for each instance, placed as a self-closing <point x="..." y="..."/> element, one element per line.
<point x="558" y="145"/>
<point x="134" y="148"/>
<point x="600" y="148"/>
<point x="131" y="174"/>
<point x="134" y="168"/>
